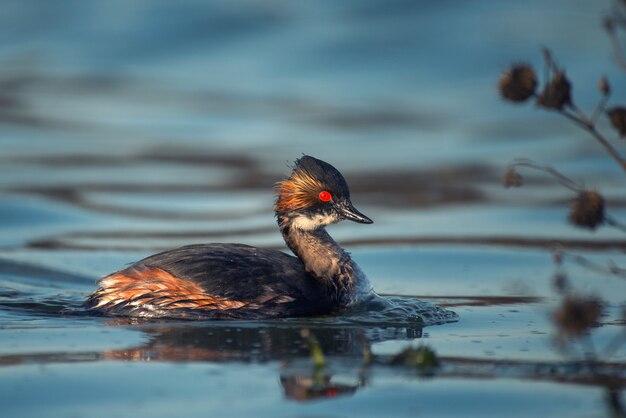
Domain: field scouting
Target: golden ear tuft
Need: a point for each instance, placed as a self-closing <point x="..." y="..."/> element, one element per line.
<point x="297" y="192"/>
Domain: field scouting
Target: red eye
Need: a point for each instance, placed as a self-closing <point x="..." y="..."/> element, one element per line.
<point x="325" y="196"/>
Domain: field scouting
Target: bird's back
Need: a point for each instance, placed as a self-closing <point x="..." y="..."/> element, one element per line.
<point x="213" y="280"/>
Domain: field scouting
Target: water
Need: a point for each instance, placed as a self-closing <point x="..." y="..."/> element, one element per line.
<point x="130" y="129"/>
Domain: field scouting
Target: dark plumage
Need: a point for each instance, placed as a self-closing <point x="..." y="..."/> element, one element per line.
<point x="325" y="173"/>
<point x="240" y="281"/>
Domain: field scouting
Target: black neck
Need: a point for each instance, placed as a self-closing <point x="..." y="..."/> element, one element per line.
<point x="324" y="259"/>
<point x="319" y="253"/>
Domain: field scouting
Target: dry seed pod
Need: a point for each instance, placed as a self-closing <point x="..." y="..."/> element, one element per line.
<point x="587" y="210"/>
<point x="512" y="178"/>
<point x="557" y="93"/>
<point x="618" y="119"/>
<point x="518" y="83"/>
<point x="577" y="314"/>
<point x="604" y="87"/>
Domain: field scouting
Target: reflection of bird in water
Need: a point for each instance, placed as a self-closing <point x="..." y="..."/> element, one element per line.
<point x="299" y="379"/>
<point x="258" y="343"/>
<point x="315" y="386"/>
<point x="239" y="281"/>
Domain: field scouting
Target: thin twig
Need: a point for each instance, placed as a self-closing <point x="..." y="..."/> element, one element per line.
<point x="561" y="178"/>
<point x="614" y="344"/>
<point x="547" y="56"/>
<point x="598" y="136"/>
<point x="614" y="223"/>
<point x="584" y="262"/>
<point x="579" y="113"/>
<point x="589" y="351"/>
<point x="600" y="108"/>
<point x="620" y="59"/>
<point x="579" y="117"/>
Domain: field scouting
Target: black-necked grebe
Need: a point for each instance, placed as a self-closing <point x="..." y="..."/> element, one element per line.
<point x="240" y="281"/>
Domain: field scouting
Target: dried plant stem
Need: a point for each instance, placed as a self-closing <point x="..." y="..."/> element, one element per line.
<point x="589" y="351"/>
<point x="614" y="223"/>
<point x="574" y="113"/>
<point x="561" y="178"/>
<point x="620" y="59"/>
<point x="587" y="125"/>
<point x="599" y="108"/>
<point x="581" y="115"/>
<point x="614" y="344"/>
<point x="584" y="262"/>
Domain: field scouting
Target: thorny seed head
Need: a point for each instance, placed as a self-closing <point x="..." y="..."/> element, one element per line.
<point x="577" y="314"/>
<point x="587" y="210"/>
<point x="518" y="83"/>
<point x="618" y="119"/>
<point x="603" y="86"/>
<point x="512" y="178"/>
<point x="557" y="94"/>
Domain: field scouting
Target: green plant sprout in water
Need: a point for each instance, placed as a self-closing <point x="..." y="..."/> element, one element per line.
<point x="317" y="355"/>
<point x="423" y="359"/>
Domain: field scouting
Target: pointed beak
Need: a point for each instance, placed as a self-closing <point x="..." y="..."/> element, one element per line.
<point x="348" y="211"/>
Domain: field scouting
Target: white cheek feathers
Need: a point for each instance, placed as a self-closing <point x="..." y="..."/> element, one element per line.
<point x="310" y="222"/>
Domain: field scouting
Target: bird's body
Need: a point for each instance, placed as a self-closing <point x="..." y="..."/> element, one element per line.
<point x="240" y="281"/>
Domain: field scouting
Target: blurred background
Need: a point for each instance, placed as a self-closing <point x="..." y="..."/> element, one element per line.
<point x="149" y="117"/>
